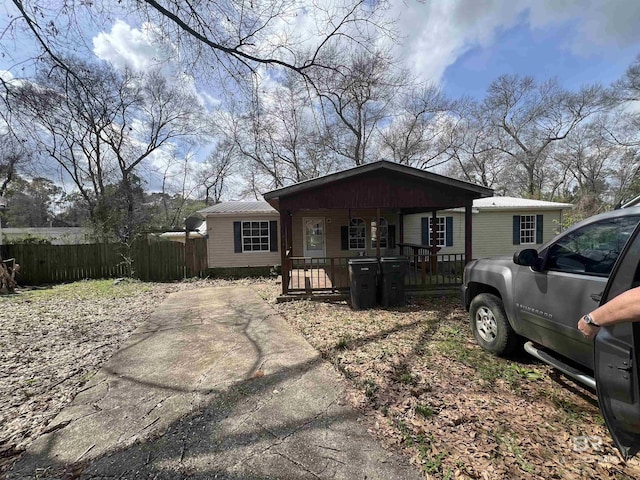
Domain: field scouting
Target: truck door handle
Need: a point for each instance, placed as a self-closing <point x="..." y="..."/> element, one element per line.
<point x="625" y="367"/>
<point x="596" y="297"/>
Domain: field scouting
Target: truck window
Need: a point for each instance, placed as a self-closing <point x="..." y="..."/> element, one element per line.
<point x="592" y="249"/>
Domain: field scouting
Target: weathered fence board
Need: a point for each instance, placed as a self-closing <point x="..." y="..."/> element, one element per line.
<point x="148" y="261"/>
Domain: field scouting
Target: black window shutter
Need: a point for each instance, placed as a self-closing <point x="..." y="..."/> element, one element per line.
<point x="237" y="237"/>
<point x="539" y="228"/>
<point x="391" y="238"/>
<point x="424" y="222"/>
<point x="449" y="231"/>
<point x="344" y="237"/>
<point x="516" y="229"/>
<point x="273" y="235"/>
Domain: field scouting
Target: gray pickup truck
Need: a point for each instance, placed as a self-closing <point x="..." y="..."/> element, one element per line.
<point x="539" y="295"/>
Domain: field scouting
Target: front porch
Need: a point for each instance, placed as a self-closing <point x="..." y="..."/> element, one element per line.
<point x="360" y="212"/>
<point x="306" y="275"/>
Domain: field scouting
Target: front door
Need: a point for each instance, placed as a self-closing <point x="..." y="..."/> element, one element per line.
<point x="314" y="237"/>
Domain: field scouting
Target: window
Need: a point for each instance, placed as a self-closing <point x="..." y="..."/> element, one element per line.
<point x="357" y="234"/>
<point x="441" y="231"/>
<point x="255" y="236"/>
<point x="444" y="231"/>
<point x="527" y="229"/>
<point x="382" y="233"/>
<point x="592" y="249"/>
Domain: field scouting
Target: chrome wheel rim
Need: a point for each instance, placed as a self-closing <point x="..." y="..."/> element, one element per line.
<point x="486" y="324"/>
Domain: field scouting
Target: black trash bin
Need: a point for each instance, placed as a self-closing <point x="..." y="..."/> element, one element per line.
<point x="363" y="273"/>
<point x="393" y="271"/>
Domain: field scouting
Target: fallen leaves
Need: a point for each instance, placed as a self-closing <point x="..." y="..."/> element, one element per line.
<point x="457" y="411"/>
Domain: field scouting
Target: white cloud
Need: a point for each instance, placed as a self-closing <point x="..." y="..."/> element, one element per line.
<point x="130" y="47"/>
<point x="142" y="50"/>
<point x="597" y="23"/>
<point x="436" y="33"/>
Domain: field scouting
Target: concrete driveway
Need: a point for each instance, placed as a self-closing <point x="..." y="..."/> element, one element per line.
<point x="214" y="385"/>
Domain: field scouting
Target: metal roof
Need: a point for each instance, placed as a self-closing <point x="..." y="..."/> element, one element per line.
<point x="519" y="203"/>
<point x="259" y="206"/>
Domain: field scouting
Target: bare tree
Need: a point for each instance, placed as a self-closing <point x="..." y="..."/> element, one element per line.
<point x="230" y="38"/>
<point x="101" y="128"/>
<point x="467" y="137"/>
<point x="528" y="118"/>
<point x="414" y="136"/>
<point x="278" y="136"/>
<point x="357" y="102"/>
<point x="13" y="156"/>
<point x="218" y="166"/>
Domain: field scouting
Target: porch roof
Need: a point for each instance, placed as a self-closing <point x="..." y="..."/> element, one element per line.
<point x="381" y="184"/>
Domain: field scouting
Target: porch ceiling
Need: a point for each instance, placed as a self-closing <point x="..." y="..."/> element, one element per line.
<point x="380" y="184"/>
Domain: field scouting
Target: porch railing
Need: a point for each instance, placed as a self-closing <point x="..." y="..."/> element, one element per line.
<point x="308" y="274"/>
<point x="427" y="269"/>
<point x="331" y="274"/>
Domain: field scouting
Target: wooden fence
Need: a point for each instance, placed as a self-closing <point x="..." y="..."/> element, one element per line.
<point x="148" y="261"/>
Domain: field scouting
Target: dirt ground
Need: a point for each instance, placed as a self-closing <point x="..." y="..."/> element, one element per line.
<point x="415" y="372"/>
<point x="456" y="410"/>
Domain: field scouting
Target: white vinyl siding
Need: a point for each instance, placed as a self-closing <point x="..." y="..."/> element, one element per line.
<point x="220" y="245"/>
<point x="492" y="232"/>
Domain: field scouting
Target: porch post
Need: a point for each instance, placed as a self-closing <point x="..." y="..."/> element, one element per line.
<point x="401" y="228"/>
<point x="378" y="233"/>
<point x="468" y="254"/>
<point x="285" y="245"/>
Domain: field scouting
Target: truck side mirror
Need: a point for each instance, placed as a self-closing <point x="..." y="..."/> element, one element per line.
<point x="527" y="258"/>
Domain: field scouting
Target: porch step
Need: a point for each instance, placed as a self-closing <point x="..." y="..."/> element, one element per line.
<point x="321" y="297"/>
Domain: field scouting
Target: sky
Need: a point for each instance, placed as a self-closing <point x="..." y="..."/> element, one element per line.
<point x="463" y="45"/>
<point x="460" y="45"/>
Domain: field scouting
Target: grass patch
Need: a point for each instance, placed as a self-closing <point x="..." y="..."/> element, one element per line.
<point x="87" y="289"/>
<point x="405" y="377"/>
<point x="488" y="367"/>
<point x="570" y="410"/>
<point x="431" y="464"/>
<point x="510" y="442"/>
<point x="343" y="342"/>
<point x="424" y="410"/>
<point x="370" y="388"/>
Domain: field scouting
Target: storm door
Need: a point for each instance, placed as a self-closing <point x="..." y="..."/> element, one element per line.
<point x="314" y="243"/>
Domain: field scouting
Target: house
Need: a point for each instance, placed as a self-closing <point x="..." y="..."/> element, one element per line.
<point x="242" y="237"/>
<point x="360" y="212"/>
<point x="380" y="209"/>
<point x="312" y="228"/>
<point x="501" y="225"/>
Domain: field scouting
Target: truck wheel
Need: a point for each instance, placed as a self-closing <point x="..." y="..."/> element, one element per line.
<point x="490" y="325"/>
